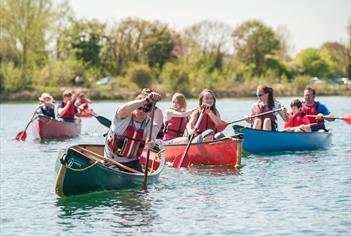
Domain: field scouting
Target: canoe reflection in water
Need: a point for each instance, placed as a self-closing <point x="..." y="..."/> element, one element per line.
<point x="214" y="170"/>
<point x="120" y="211"/>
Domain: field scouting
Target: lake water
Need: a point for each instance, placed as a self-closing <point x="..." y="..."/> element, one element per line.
<point x="301" y="193"/>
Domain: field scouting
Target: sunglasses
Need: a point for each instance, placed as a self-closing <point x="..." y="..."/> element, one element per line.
<point x="145" y="109"/>
<point x="260" y="94"/>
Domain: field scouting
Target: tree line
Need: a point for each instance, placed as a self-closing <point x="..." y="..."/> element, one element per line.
<point x="43" y="46"/>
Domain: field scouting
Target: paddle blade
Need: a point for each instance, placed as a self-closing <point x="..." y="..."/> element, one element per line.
<point x="181" y="161"/>
<point x="104" y="121"/>
<point x="347" y="119"/>
<point x="222" y="126"/>
<point x="21" y="136"/>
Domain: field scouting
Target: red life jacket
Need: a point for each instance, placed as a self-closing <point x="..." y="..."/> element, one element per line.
<point x="264" y="108"/>
<point x="85" y="102"/>
<point x="70" y="112"/>
<point x="206" y="123"/>
<point x="130" y="144"/>
<point x="296" y="120"/>
<point x="312" y="110"/>
<point x="175" y="127"/>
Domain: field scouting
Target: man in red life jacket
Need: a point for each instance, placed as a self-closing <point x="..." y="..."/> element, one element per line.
<point x="316" y="109"/>
<point x="67" y="110"/>
<point x="298" y="122"/>
<point x="129" y="130"/>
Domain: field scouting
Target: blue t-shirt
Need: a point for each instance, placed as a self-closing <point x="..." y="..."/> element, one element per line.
<point x="323" y="110"/>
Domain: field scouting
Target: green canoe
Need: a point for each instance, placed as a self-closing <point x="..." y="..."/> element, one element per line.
<point x="81" y="169"/>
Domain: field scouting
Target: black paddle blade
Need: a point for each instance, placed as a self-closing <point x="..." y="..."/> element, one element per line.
<point x="104" y="121"/>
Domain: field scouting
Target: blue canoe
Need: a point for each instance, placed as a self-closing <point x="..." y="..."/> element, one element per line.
<point x="259" y="141"/>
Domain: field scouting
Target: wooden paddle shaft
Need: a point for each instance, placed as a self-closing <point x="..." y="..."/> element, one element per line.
<point x="107" y="159"/>
<point x="189" y="142"/>
<point x="148" y="151"/>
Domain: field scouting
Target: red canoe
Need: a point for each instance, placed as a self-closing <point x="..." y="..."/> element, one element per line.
<point x="226" y="151"/>
<point x="46" y="128"/>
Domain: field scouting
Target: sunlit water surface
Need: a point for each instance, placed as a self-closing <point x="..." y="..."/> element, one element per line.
<point x="299" y="193"/>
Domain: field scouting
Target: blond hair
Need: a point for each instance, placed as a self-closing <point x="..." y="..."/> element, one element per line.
<point x="181" y="100"/>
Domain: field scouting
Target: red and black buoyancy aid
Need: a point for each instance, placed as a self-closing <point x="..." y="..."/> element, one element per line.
<point x="312" y="110"/>
<point x="296" y="120"/>
<point x="175" y="127"/>
<point x="85" y="102"/>
<point x="70" y="112"/>
<point x="131" y="143"/>
<point x="206" y="123"/>
<point x="264" y="108"/>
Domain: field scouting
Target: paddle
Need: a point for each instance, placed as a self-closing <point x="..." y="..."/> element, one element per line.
<point x="148" y="151"/>
<point x="103" y="120"/>
<point x="21" y="136"/>
<point x="346" y="118"/>
<point x="224" y="124"/>
<point x="181" y="160"/>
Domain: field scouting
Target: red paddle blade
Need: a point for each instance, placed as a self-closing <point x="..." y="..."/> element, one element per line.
<point x="347" y="119"/>
<point x="21" y="136"/>
<point x="222" y="126"/>
<point x="181" y="161"/>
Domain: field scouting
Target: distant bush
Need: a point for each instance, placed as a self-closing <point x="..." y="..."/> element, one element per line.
<point x="300" y="82"/>
<point x="59" y="73"/>
<point x="11" y="77"/>
<point x="175" y="78"/>
<point x="121" y="83"/>
<point x="140" y="74"/>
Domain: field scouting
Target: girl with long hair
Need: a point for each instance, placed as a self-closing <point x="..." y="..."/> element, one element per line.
<point x="265" y="103"/>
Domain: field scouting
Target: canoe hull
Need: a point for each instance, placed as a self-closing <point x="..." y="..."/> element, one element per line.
<point x="259" y="141"/>
<point x="226" y="151"/>
<point x="79" y="174"/>
<point x="46" y="128"/>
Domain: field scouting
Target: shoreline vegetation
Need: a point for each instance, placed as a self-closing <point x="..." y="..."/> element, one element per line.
<point x="44" y="47"/>
<point x="238" y="91"/>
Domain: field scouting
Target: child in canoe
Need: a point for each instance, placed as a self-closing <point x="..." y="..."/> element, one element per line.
<point x="298" y="121"/>
<point x="211" y="119"/>
<point x="177" y="118"/>
<point x="82" y="103"/>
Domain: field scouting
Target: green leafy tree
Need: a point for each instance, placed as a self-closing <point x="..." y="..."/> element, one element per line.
<point x="212" y="40"/>
<point x="26" y="30"/>
<point x="315" y="62"/>
<point x="348" y="51"/>
<point x="253" y="41"/>
<point x="84" y="40"/>
<point x="338" y="53"/>
<point x="141" y="41"/>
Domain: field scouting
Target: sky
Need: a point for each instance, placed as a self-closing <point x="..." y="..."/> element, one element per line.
<point x="309" y="23"/>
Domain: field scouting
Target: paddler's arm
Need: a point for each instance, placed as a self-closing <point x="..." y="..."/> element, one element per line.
<point x="284" y="114"/>
<point x="191" y="124"/>
<point x="61" y="111"/>
<point x="215" y="118"/>
<point x="126" y="109"/>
